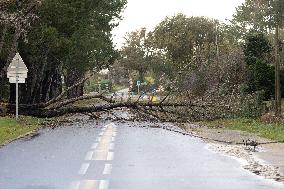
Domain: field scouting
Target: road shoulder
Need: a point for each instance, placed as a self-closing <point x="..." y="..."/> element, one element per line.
<point x="266" y="160"/>
<point x="11" y="130"/>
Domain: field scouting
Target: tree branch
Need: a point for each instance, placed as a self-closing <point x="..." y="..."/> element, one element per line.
<point x="72" y="100"/>
<point x="58" y="98"/>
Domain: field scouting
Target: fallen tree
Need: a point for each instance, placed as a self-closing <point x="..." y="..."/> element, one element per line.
<point x="169" y="108"/>
<point x="59" y="106"/>
<point x="173" y="106"/>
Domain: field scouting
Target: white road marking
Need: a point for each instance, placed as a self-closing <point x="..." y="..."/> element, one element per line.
<point x="83" y="169"/>
<point x="112" y="145"/>
<point x="107" y="169"/>
<point x="104" y="184"/>
<point x="75" y="185"/>
<point x="89" y="155"/>
<point x="110" y="156"/>
<point x="94" y="146"/>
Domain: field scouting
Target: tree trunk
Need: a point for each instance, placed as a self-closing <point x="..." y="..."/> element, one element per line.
<point x="13" y="48"/>
<point x="2" y="40"/>
<point x="56" y="85"/>
<point x="72" y="78"/>
<point x="277" y="75"/>
<point x="12" y="53"/>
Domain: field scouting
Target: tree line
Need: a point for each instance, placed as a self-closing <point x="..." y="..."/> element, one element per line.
<point x="200" y="57"/>
<point x="215" y="68"/>
<point x="57" y="39"/>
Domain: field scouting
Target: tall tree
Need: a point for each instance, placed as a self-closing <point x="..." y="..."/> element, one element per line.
<point x="69" y="38"/>
<point x="257" y="49"/>
<point x="184" y="38"/>
<point x="264" y="16"/>
<point x="134" y="54"/>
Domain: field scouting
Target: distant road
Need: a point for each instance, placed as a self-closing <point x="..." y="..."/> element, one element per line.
<point x="116" y="156"/>
<point x="123" y="91"/>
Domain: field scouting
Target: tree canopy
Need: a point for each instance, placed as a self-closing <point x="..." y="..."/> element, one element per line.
<point x="66" y="38"/>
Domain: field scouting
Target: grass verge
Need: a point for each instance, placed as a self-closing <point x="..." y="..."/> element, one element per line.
<point x="274" y="131"/>
<point x="11" y="129"/>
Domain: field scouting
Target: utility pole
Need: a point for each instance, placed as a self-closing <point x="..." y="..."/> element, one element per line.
<point x="277" y="74"/>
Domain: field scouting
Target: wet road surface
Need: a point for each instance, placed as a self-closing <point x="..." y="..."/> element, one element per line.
<point x="115" y="156"/>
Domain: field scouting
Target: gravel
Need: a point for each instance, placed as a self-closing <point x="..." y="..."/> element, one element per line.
<point x="252" y="164"/>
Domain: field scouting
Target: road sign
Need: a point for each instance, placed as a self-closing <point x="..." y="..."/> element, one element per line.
<point x="17" y="72"/>
<point x="17" y="69"/>
<point x="138" y="83"/>
<point x="20" y="75"/>
<point x="13" y="80"/>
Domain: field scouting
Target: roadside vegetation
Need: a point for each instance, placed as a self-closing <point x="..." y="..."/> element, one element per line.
<point x="11" y="129"/>
<point x="273" y="131"/>
<point x="203" y="68"/>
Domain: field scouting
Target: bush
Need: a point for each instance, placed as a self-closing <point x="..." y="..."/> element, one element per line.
<point x="251" y="105"/>
<point x="93" y="86"/>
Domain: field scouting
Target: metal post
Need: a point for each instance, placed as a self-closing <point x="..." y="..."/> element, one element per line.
<point x="17" y="73"/>
<point x="17" y="92"/>
<point x="138" y="86"/>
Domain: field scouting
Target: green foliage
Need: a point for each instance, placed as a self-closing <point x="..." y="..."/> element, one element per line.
<point x="4" y="94"/>
<point x="68" y="38"/>
<point x="256" y="47"/>
<point x="106" y="84"/>
<point x="276" y="10"/>
<point x="182" y="37"/>
<point x="134" y="54"/>
<point x="261" y="74"/>
<point x="251" y="105"/>
<point x="260" y="16"/>
<point x="262" y="79"/>
<point x="94" y="85"/>
<point x="150" y="80"/>
<point x="84" y="29"/>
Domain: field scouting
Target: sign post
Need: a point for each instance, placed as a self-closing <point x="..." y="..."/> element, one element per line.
<point x="17" y="95"/>
<point x="17" y="72"/>
<point x="138" y="86"/>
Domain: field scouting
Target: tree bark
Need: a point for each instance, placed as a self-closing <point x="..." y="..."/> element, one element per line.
<point x="14" y="46"/>
<point x="277" y="75"/>
<point x="47" y="113"/>
<point x="73" y="76"/>
<point x="2" y="40"/>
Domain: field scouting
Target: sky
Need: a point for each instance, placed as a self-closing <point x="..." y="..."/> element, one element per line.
<point x="149" y="13"/>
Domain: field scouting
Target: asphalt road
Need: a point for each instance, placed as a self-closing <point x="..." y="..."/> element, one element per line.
<point x="115" y="156"/>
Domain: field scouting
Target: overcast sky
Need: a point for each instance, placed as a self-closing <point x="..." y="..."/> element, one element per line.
<point x="148" y="13"/>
